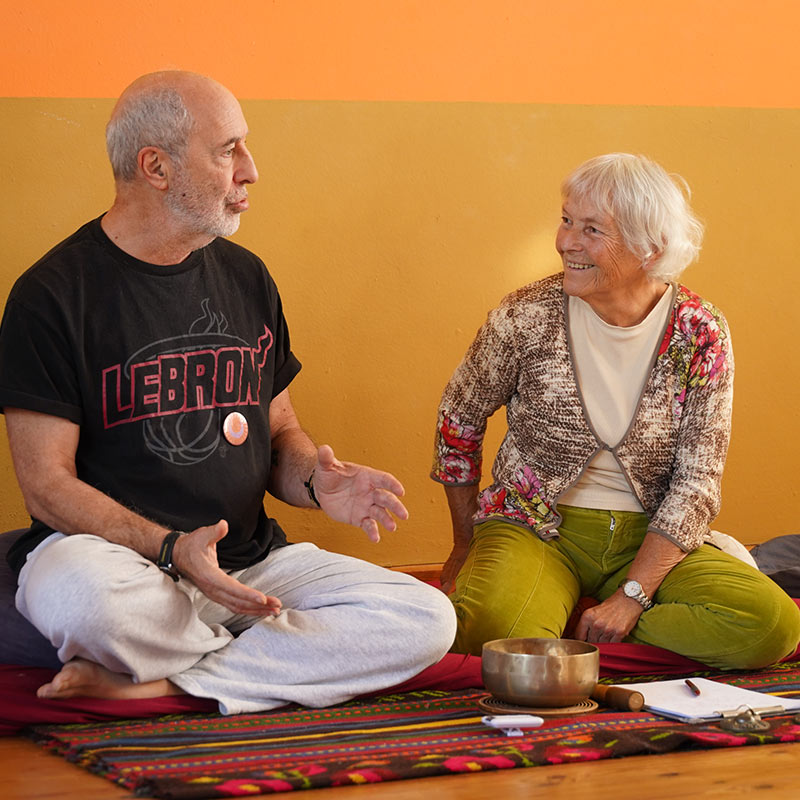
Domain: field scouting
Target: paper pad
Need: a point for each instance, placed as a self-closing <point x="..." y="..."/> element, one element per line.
<point x="674" y="699"/>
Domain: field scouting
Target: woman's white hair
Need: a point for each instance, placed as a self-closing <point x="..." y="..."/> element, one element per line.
<point x="650" y="207"/>
<point x="156" y="117"/>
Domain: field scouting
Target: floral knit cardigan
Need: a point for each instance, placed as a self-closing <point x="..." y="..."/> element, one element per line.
<point x="672" y="454"/>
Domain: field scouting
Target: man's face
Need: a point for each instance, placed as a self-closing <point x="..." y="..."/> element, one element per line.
<point x="208" y="187"/>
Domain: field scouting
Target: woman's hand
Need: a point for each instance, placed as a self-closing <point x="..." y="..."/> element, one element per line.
<point x="453" y="566"/>
<point x="610" y="621"/>
<point x="615" y="617"/>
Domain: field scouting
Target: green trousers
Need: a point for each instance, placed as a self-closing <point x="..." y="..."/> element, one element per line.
<point x="711" y="607"/>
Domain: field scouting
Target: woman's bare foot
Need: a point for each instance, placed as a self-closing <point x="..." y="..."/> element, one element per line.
<point x="81" y="678"/>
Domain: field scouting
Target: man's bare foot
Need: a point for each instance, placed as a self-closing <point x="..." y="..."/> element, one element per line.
<point x="81" y="678"/>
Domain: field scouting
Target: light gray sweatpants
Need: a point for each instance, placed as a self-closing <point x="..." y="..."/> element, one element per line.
<point x="347" y="627"/>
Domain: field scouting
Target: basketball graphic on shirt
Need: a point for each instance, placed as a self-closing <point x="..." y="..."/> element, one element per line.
<point x="184" y="438"/>
<point x="197" y="377"/>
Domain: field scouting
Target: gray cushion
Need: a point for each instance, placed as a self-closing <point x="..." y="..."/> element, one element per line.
<point x="20" y="642"/>
<point x="780" y="559"/>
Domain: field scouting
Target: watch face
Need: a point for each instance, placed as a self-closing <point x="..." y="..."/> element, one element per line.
<point x="632" y="588"/>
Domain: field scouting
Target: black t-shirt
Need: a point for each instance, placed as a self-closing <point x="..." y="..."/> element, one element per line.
<point x="149" y="361"/>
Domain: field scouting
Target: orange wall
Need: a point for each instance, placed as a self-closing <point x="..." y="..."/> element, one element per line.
<point x="393" y="214"/>
<point x="673" y="52"/>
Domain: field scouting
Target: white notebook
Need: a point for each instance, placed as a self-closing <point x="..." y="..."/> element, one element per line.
<point x="676" y="700"/>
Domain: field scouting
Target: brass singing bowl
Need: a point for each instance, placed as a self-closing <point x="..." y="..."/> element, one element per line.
<point x="541" y="673"/>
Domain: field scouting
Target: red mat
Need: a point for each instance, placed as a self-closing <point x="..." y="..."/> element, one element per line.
<point x="20" y="707"/>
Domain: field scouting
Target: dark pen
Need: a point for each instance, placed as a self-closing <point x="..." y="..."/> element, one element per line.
<point x="693" y="687"/>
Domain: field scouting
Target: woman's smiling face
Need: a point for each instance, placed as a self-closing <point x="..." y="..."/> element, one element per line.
<point x="597" y="263"/>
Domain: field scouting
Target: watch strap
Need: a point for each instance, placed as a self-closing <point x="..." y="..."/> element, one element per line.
<point x="164" y="560"/>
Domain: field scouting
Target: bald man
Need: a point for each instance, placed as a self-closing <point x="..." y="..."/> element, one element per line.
<point x="145" y="366"/>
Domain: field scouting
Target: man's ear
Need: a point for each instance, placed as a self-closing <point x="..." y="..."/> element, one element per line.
<point x="154" y="166"/>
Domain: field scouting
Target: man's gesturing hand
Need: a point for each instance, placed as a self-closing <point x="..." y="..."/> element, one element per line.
<point x="358" y="495"/>
<point x="195" y="556"/>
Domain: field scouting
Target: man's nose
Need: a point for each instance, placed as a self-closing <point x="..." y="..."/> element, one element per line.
<point x="246" y="171"/>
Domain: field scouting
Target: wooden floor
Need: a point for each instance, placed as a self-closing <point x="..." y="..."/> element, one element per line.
<point x="755" y="773"/>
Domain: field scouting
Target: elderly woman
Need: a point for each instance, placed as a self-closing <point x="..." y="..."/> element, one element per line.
<point x="617" y="383"/>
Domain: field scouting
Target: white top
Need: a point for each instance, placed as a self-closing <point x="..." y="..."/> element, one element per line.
<point x="612" y="365"/>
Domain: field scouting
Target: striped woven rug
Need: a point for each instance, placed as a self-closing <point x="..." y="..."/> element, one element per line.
<point x="418" y="734"/>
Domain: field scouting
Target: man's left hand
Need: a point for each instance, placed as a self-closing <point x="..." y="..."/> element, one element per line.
<point x="358" y="495"/>
<point x="610" y="621"/>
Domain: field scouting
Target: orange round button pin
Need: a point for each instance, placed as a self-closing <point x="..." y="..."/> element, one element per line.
<point x="234" y="428"/>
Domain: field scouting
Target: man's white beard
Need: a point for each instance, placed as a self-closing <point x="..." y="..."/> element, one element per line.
<point x="193" y="207"/>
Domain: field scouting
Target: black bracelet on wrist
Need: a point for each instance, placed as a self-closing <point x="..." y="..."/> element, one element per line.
<point x="164" y="560"/>
<point x="309" y="484"/>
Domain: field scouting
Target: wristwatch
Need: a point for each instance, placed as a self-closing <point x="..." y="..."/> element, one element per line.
<point x="633" y="589"/>
<point x="164" y="560"/>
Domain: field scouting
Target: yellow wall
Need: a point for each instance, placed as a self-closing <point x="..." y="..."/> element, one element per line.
<point x="393" y="214"/>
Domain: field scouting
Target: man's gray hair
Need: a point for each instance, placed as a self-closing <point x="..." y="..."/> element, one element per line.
<point x="649" y="206"/>
<point x="156" y="117"/>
